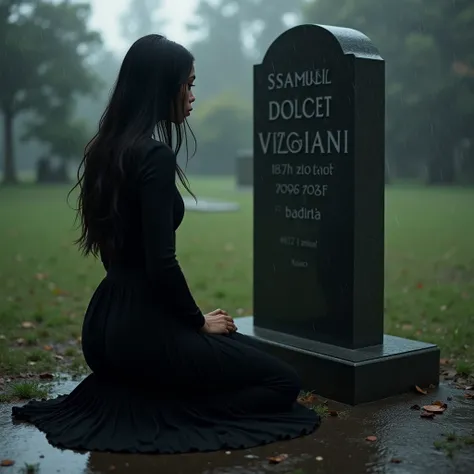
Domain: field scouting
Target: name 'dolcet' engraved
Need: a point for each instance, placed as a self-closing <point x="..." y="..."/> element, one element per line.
<point x="295" y="109"/>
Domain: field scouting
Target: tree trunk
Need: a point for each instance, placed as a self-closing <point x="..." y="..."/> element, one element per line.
<point x="9" y="172"/>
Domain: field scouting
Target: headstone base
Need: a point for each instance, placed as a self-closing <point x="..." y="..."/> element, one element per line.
<point x="352" y="376"/>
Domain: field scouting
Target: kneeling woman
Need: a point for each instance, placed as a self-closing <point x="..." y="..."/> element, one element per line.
<point x="165" y="378"/>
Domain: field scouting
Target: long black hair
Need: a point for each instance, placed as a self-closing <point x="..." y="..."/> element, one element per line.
<point x="145" y="98"/>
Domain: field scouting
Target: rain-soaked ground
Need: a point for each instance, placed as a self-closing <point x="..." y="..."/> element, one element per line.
<point x="405" y="444"/>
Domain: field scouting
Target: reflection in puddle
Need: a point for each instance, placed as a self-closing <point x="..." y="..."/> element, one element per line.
<point x="339" y="446"/>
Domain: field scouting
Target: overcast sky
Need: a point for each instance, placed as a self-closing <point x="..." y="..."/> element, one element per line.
<point x="106" y="19"/>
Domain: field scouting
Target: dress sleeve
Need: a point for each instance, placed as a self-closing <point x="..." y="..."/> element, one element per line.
<point x="157" y="195"/>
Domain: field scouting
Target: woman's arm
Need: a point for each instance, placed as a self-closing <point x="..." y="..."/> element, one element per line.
<point x="157" y="196"/>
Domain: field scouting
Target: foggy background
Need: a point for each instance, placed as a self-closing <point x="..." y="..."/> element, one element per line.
<point x="429" y="89"/>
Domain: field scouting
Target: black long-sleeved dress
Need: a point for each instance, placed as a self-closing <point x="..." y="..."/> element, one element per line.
<point x="158" y="384"/>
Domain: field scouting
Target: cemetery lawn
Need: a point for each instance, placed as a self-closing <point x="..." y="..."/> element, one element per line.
<point x="45" y="284"/>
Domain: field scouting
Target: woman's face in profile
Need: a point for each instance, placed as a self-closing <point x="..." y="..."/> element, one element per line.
<point x="187" y="98"/>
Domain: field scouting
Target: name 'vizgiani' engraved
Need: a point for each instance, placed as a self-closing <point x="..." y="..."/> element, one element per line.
<point x="324" y="142"/>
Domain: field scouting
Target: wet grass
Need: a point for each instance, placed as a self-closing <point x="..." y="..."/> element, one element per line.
<point x="24" y="390"/>
<point x="30" y="469"/>
<point x="46" y="285"/>
<point x="451" y="443"/>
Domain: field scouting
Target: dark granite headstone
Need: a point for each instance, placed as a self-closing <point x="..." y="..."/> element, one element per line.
<point x="319" y="175"/>
<point x="244" y="169"/>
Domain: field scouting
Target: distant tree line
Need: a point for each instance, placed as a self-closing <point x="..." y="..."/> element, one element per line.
<point x="56" y="76"/>
<point x="44" y="48"/>
<point x="427" y="45"/>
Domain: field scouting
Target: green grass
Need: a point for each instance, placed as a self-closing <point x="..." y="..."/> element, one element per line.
<point x="25" y="390"/>
<point x="44" y="281"/>
<point x="452" y="443"/>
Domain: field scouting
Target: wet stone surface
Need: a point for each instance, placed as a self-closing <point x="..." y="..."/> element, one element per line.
<point x="405" y="444"/>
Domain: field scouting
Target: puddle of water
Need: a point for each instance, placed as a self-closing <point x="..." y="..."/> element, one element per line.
<point x="339" y="446"/>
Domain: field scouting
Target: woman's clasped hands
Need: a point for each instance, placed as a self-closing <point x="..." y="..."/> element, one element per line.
<point x="218" y="322"/>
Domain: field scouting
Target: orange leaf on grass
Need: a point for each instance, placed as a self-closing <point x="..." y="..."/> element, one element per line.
<point x="426" y="414"/>
<point x="58" y="292"/>
<point x="308" y="398"/>
<point x="278" y="459"/>
<point x="7" y="462"/>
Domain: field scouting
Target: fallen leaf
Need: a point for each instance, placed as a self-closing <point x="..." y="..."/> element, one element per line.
<point x="415" y="407"/>
<point x="395" y="461"/>
<point x="46" y="376"/>
<point x="434" y="409"/>
<point x="371" y="438"/>
<point x="333" y="413"/>
<point x="48" y="348"/>
<point x="27" y="325"/>
<point x="319" y="458"/>
<point x="58" y="291"/>
<point x="58" y="357"/>
<point x="440" y="404"/>
<point x="425" y="414"/>
<point x="20" y="341"/>
<point x="469" y="388"/>
<point x="420" y="390"/>
<point x="7" y="463"/>
<point x="309" y="398"/>
<point x="469" y="396"/>
<point x="419" y="285"/>
<point x="278" y="459"/>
